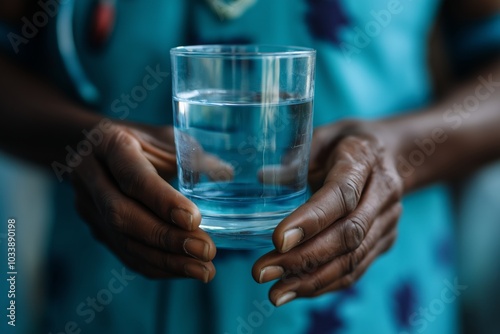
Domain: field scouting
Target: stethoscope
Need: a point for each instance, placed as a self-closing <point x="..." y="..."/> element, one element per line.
<point x="101" y="27"/>
<point x="102" y="24"/>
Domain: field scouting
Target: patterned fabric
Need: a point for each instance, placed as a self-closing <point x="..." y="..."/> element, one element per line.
<point x="388" y="75"/>
<point x="325" y="19"/>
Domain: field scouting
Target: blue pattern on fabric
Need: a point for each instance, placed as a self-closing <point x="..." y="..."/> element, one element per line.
<point x="328" y="319"/>
<point x="325" y="18"/>
<point x="406" y="300"/>
<point x="445" y="252"/>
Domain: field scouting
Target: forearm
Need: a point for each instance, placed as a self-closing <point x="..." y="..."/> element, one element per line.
<point x="38" y="121"/>
<point x="453" y="137"/>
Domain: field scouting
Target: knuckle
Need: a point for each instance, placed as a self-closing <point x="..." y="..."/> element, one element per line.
<point x="393" y="185"/>
<point x="349" y="194"/>
<point x="119" y="136"/>
<point x="320" y="216"/>
<point x="308" y="263"/>
<point x="115" y="220"/>
<point x="351" y="264"/>
<point x="109" y="140"/>
<point x="113" y="213"/>
<point x="354" y="233"/>
<point x="130" y="180"/>
<point x="161" y="235"/>
<point x="348" y="281"/>
<point x="365" y="147"/>
<point x="360" y="147"/>
<point x="311" y="264"/>
<point x="290" y="278"/>
<point x="318" y="283"/>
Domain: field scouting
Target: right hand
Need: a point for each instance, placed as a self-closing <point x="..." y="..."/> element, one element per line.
<point x="122" y="194"/>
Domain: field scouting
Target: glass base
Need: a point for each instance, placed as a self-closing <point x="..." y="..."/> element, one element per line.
<point x="242" y="241"/>
<point x="242" y="232"/>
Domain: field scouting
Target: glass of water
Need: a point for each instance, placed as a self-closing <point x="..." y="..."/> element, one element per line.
<point x="243" y="128"/>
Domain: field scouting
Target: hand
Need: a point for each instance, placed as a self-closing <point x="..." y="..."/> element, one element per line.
<point x="291" y="171"/>
<point x="122" y="194"/>
<point x="329" y="242"/>
<point x="195" y="161"/>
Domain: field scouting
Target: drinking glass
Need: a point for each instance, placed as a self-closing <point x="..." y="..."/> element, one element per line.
<point x="243" y="128"/>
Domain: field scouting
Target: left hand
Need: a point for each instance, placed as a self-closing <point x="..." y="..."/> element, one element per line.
<point x="123" y="195"/>
<point x="329" y="242"/>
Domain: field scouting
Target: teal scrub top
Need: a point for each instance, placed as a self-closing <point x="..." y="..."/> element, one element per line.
<point x="371" y="63"/>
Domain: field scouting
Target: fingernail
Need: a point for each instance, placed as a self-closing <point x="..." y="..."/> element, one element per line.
<point x="270" y="273"/>
<point x="291" y="238"/>
<point x="285" y="298"/>
<point x="182" y="218"/>
<point x="197" y="271"/>
<point x="197" y="248"/>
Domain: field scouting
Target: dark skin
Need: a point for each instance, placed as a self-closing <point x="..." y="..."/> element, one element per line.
<point x="352" y="218"/>
<point x="324" y="246"/>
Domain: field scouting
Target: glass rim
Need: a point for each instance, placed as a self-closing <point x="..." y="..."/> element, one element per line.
<point x="242" y="51"/>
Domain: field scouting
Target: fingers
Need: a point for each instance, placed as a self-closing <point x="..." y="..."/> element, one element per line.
<point x="158" y="147"/>
<point x="291" y="172"/>
<point x="323" y="140"/>
<point x="162" y="161"/>
<point x="149" y="261"/>
<point x="316" y="284"/>
<point x="194" y="160"/>
<point x="161" y="155"/>
<point x="343" y="271"/>
<point x="286" y="175"/>
<point x="131" y="208"/>
<point x="338" y="197"/>
<point x="216" y="169"/>
<point x="159" y="138"/>
<point x="137" y="177"/>
<point x="176" y="265"/>
<point x="123" y="215"/>
<point x="339" y="232"/>
<point x="343" y="237"/>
